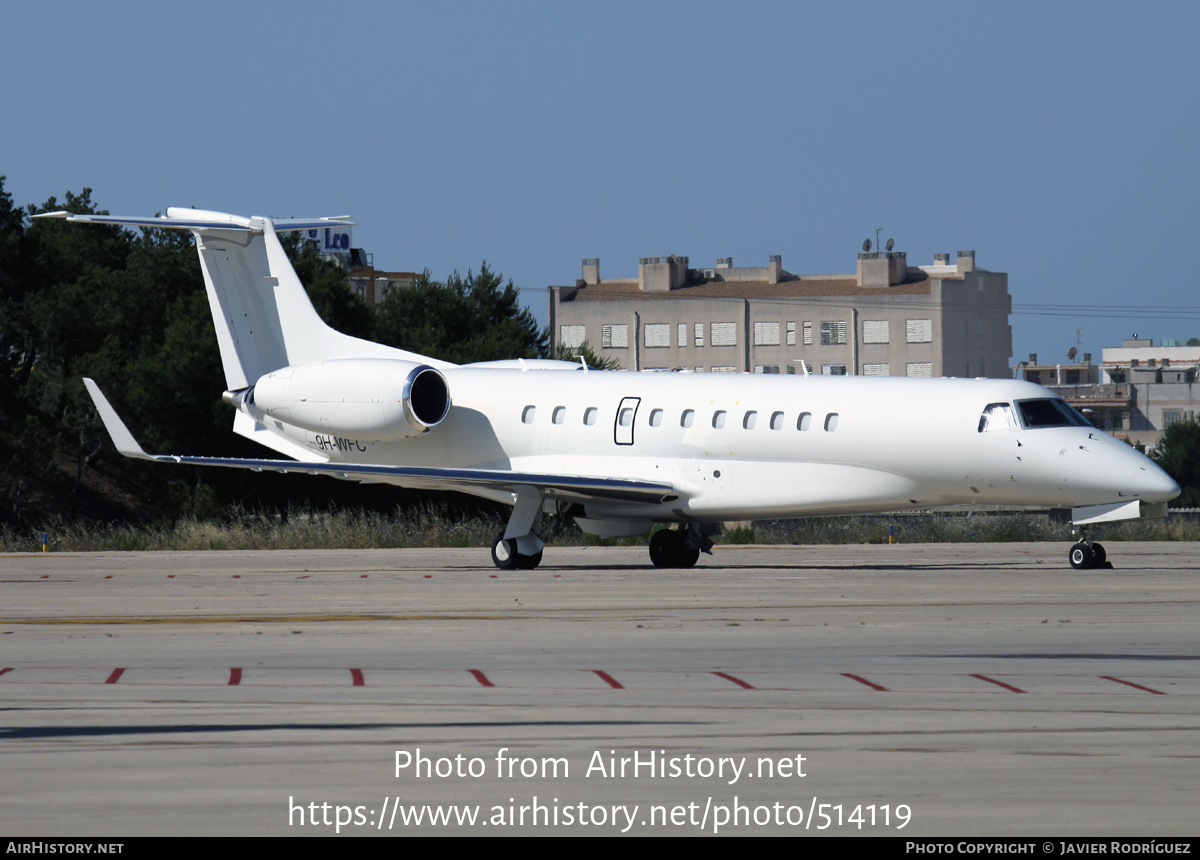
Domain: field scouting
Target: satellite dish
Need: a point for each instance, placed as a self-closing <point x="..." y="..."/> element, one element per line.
<point x="866" y="244"/>
<point x="1071" y="353"/>
<point x="891" y="243"/>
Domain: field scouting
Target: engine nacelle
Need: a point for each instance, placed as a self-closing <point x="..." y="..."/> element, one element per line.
<point x="373" y="399"/>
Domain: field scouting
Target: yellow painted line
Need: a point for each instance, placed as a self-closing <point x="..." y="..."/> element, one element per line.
<point x="258" y="619"/>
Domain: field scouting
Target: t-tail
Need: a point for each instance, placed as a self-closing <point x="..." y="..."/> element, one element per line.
<point x="262" y="314"/>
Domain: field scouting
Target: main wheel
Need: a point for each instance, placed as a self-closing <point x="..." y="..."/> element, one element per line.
<point x="665" y="547"/>
<point x="1082" y="557"/>
<point x="504" y="553"/>
<point x="529" y="562"/>
<point x="1100" y="555"/>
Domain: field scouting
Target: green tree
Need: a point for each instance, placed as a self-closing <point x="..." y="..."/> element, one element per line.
<point x="1178" y="454"/>
<point x="584" y="351"/>
<point x="460" y="320"/>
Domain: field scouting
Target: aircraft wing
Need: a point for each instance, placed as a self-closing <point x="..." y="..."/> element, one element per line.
<point x="578" y="488"/>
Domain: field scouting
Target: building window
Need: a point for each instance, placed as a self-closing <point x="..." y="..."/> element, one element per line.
<point x="833" y="369"/>
<point x="658" y="335"/>
<point x="572" y="336"/>
<point x="681" y="335"/>
<point x="807" y="333"/>
<point x="833" y="332"/>
<point x="875" y="331"/>
<point x="766" y="368"/>
<point x="1171" y="417"/>
<point x="766" y="334"/>
<point x="723" y="333"/>
<point x="698" y="331"/>
<point x="918" y="331"/>
<point x="724" y="369"/>
<point x="791" y="333"/>
<point x="875" y="370"/>
<point x="919" y="368"/>
<point x="614" y="336"/>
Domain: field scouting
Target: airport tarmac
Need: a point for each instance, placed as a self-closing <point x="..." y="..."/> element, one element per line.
<point x="954" y="689"/>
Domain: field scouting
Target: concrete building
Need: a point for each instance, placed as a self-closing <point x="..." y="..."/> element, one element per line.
<point x="885" y="319"/>
<point x="372" y="285"/>
<point x="1138" y="390"/>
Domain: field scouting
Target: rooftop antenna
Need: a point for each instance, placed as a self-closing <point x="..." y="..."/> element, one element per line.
<point x="878" y="230"/>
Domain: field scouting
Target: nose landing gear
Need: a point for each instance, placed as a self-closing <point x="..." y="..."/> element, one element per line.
<point x="1087" y="554"/>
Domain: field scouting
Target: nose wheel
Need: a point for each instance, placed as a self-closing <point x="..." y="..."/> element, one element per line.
<point x="1087" y="555"/>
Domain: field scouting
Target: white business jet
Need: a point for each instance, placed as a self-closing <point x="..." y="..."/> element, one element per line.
<point x="619" y="452"/>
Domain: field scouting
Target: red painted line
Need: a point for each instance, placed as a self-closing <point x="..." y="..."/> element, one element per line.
<point x="491" y="576"/>
<point x="862" y="680"/>
<point x="115" y="676"/>
<point x="235" y="677"/>
<point x="429" y="576"/>
<point x="44" y="576"/>
<point x="608" y="679"/>
<point x="357" y="675"/>
<point x="1009" y="687"/>
<point x="237" y="576"/>
<point x="109" y="576"/>
<point x="302" y="577"/>
<point x="6" y="670"/>
<point x="363" y="576"/>
<point x="170" y="576"/>
<point x="1106" y="678"/>
<point x="737" y="681"/>
<point x="481" y="678"/>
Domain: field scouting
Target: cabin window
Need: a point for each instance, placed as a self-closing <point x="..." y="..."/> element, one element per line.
<point x="656" y="418"/>
<point x="626" y="417"/>
<point x="527" y="415"/>
<point x="589" y="416"/>
<point x="718" y="419"/>
<point x="804" y="421"/>
<point x="831" y="422"/>
<point x="997" y="416"/>
<point x="559" y="415"/>
<point x="686" y="419"/>
<point x="777" y="421"/>
<point x="749" y="420"/>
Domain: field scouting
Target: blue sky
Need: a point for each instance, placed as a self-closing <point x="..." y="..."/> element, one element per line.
<point x="1057" y="140"/>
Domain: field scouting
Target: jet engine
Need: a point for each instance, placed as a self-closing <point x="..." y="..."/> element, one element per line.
<point x="373" y="399"/>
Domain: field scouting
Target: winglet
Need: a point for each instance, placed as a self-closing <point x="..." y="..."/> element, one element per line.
<point x="116" y="428"/>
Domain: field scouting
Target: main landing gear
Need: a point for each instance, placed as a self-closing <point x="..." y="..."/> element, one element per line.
<point x="507" y="556"/>
<point x="679" y="547"/>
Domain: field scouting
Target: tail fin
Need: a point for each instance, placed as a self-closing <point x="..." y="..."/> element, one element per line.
<point x="263" y="316"/>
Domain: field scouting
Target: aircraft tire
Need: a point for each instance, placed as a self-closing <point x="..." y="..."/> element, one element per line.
<point x="1082" y="557"/>
<point x="504" y="553"/>
<point x="529" y="562"/>
<point x="687" y="557"/>
<point x="1100" y="555"/>
<point x="665" y="548"/>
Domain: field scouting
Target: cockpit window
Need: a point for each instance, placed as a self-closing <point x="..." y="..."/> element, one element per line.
<point x="997" y="416"/>
<point x="1050" y="413"/>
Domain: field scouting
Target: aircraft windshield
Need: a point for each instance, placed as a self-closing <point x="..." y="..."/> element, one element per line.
<point x="1050" y="413"/>
<point x="997" y="416"/>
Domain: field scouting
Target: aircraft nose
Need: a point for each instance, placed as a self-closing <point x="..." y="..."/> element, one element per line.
<point x="1152" y="484"/>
